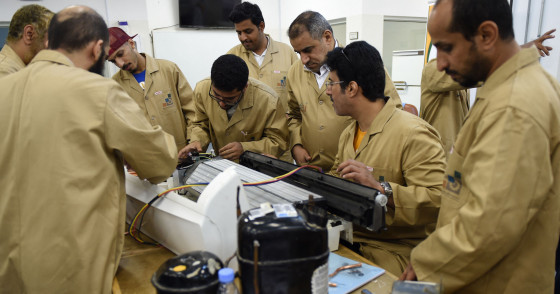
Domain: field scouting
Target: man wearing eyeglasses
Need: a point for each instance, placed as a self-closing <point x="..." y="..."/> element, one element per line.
<point x="314" y="127"/>
<point x="236" y="113"/>
<point x="388" y="149"/>
<point x="157" y="85"/>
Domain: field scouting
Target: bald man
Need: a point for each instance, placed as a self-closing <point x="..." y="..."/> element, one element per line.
<point x="62" y="210"/>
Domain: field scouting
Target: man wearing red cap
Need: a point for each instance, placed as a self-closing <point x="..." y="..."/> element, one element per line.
<point x="157" y="85"/>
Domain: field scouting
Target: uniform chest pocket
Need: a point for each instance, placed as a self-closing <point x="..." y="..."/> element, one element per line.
<point x="278" y="79"/>
<point x="167" y="104"/>
<point x="453" y="183"/>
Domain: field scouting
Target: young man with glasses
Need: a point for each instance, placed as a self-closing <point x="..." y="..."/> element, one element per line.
<point x="314" y="127"/>
<point x="387" y="149"/>
<point x="236" y="113"/>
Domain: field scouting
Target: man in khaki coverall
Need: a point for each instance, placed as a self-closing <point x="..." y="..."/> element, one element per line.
<point x="236" y="113"/>
<point x="158" y="86"/>
<point x="498" y="225"/>
<point x="445" y="103"/>
<point x="388" y="149"/>
<point x="27" y="36"/>
<point x="268" y="60"/>
<point x="314" y="127"/>
<point x="65" y="134"/>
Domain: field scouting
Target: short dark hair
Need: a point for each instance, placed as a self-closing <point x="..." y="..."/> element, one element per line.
<point x="73" y="30"/>
<point x="467" y="16"/>
<point x="245" y="11"/>
<point x="229" y="73"/>
<point x="362" y="63"/>
<point x="35" y="15"/>
<point x="310" y="21"/>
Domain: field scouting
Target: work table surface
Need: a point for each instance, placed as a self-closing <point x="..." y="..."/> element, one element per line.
<point x="140" y="261"/>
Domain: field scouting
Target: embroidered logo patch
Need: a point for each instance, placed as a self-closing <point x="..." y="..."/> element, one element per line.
<point x="167" y="102"/>
<point x="453" y="183"/>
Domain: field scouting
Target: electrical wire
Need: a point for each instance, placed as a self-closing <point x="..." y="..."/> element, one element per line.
<point x="139" y="217"/>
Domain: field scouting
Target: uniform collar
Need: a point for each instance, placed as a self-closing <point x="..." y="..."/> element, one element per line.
<point x="520" y="60"/>
<point x="381" y="119"/>
<point x="9" y="52"/>
<point x="376" y="126"/>
<point x="52" y="56"/>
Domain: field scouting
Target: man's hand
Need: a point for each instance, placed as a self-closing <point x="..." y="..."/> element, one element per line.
<point x="300" y="155"/>
<point x="543" y="50"/>
<point x="231" y="151"/>
<point x="194" y="146"/>
<point x="358" y="172"/>
<point x="408" y="274"/>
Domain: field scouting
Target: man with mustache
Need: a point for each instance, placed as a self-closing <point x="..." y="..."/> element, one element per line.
<point x="445" y="103"/>
<point x="314" y="126"/>
<point x="158" y="86"/>
<point x="27" y="36"/>
<point x="65" y="134"/>
<point x="498" y="224"/>
<point x="268" y="60"/>
<point x="387" y="149"/>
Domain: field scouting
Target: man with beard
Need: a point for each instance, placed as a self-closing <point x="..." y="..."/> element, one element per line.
<point x="314" y="127"/>
<point x="158" y="86"/>
<point x="268" y="60"/>
<point x="445" y="103"/>
<point x="66" y="132"/>
<point x="236" y="113"/>
<point x="27" y="35"/>
<point x="498" y="225"/>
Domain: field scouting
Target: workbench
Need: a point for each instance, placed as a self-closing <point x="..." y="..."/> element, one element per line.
<point x="139" y="262"/>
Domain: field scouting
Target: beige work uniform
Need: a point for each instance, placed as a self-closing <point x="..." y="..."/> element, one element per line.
<point x="312" y="121"/>
<point x="499" y="221"/>
<point x="167" y="99"/>
<point x="274" y="69"/>
<point x="9" y="61"/>
<point x="258" y="123"/>
<point x="65" y="134"/>
<point x="444" y="103"/>
<point x="406" y="152"/>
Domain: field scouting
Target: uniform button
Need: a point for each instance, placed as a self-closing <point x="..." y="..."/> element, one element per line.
<point x="261" y="75"/>
<point x="320" y="101"/>
<point x="321" y="150"/>
<point x="146" y="98"/>
<point x="227" y="133"/>
<point x="321" y="127"/>
<point x="153" y="117"/>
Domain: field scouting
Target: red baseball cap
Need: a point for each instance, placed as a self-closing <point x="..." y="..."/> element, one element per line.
<point x="117" y="37"/>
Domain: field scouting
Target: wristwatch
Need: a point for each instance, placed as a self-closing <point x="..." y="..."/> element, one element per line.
<point x="387" y="188"/>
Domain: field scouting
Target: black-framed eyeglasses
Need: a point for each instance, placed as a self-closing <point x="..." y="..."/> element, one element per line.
<point x="229" y="101"/>
<point x="331" y="83"/>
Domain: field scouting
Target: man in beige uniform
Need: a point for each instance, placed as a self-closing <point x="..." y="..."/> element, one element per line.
<point x="498" y="225"/>
<point x="27" y="35"/>
<point x="445" y="103"/>
<point x="236" y="113"/>
<point x="388" y="149"/>
<point x="65" y="134"/>
<point x="158" y="86"/>
<point x="314" y="127"/>
<point x="268" y="60"/>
